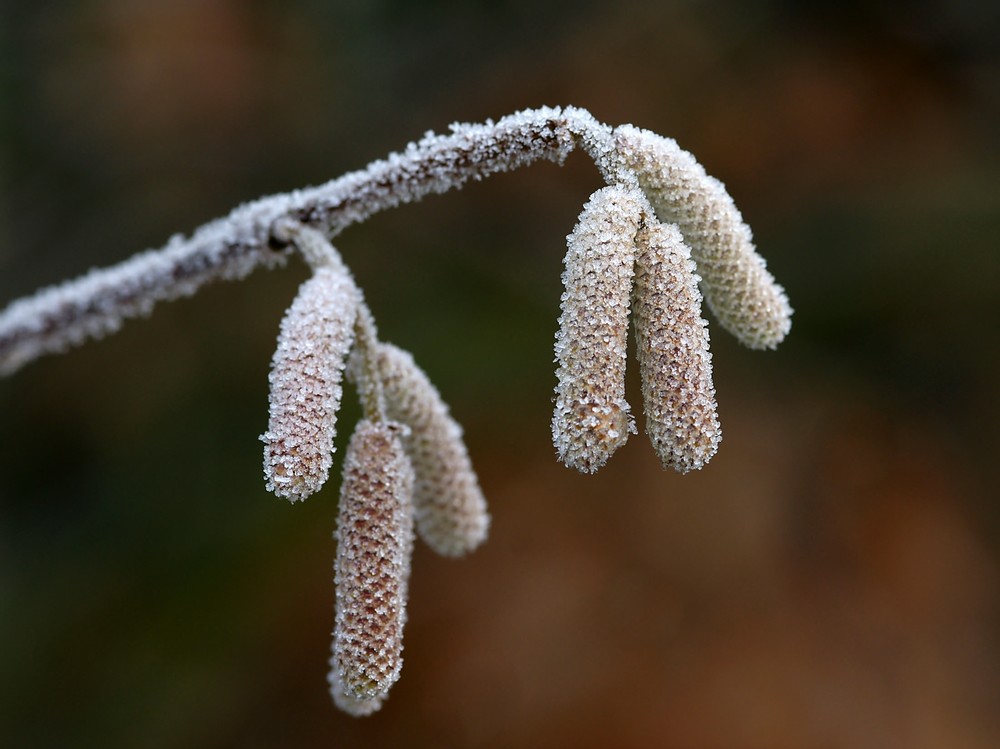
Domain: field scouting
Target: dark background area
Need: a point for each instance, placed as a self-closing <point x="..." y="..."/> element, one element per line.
<point x="830" y="580"/>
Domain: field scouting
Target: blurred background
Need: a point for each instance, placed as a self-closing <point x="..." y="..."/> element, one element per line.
<point x="830" y="580"/>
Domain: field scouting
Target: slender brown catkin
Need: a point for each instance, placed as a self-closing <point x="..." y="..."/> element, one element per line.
<point x="374" y="546"/>
<point x="738" y="288"/>
<point x="448" y="505"/>
<point x="306" y="372"/>
<point x="675" y="363"/>
<point x="591" y="417"/>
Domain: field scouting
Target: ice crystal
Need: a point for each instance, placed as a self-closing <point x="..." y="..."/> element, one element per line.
<point x="374" y="544"/>
<point x="591" y="418"/>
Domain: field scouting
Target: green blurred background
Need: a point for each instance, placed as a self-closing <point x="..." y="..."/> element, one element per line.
<point x="830" y="580"/>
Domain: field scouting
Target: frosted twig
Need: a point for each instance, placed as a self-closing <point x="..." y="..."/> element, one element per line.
<point x="97" y="303"/>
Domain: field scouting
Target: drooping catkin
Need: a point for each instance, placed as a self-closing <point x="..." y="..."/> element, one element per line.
<point x="738" y="288"/>
<point x="591" y="417"/>
<point x="374" y="546"/>
<point x="449" y="507"/>
<point x="675" y="363"/>
<point x="306" y="372"/>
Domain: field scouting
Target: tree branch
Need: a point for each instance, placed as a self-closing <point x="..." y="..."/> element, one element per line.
<point x="93" y="305"/>
<point x="735" y="282"/>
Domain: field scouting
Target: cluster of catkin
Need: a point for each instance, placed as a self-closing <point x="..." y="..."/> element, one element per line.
<point x="406" y="467"/>
<point x="649" y="247"/>
<point x="646" y="247"/>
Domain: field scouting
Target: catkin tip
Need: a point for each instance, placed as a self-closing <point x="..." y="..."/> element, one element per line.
<point x="351" y="704"/>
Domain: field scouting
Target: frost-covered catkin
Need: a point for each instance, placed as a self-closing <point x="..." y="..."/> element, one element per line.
<point x="675" y="363"/>
<point x="738" y="288"/>
<point x="374" y="546"/>
<point x="305" y="379"/>
<point x="591" y="418"/>
<point x="448" y="505"/>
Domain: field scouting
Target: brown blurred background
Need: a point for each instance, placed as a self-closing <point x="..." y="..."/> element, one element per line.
<point x="830" y="580"/>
